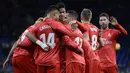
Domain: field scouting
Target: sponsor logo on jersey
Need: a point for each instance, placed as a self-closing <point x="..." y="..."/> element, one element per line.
<point x="105" y="41"/>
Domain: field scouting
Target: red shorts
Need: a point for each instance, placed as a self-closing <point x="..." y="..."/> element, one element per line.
<point x="48" y="69"/>
<point x="23" y="64"/>
<point x="94" y="66"/>
<point x="109" y="69"/>
<point x="75" y="68"/>
<point x="63" y="67"/>
<point x="87" y="67"/>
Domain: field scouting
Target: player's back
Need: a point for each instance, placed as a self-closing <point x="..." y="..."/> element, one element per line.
<point x="93" y="34"/>
<point x="46" y="34"/>
<point x="107" y="53"/>
<point x="26" y="46"/>
<point x="70" y="55"/>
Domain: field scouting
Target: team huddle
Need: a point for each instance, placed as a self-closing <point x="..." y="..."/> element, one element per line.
<point x="59" y="43"/>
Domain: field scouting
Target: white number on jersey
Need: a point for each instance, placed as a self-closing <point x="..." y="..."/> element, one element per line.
<point x="94" y="42"/>
<point x="50" y="39"/>
<point x="79" y="41"/>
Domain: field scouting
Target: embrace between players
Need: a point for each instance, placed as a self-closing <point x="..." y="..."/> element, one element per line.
<point x="59" y="43"/>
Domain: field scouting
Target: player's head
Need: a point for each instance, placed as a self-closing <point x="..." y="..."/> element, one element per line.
<point x="73" y="15"/>
<point x="62" y="10"/>
<point x="104" y="20"/>
<point x="61" y="7"/>
<point x="65" y="18"/>
<point x="86" y="15"/>
<point x="53" y="12"/>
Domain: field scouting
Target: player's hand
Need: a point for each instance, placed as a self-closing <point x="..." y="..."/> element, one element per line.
<point x="7" y="61"/>
<point x="74" y="26"/>
<point x="100" y="33"/>
<point x="113" y="20"/>
<point x="45" y="18"/>
<point x="81" y="51"/>
<point x="45" y="48"/>
<point x="40" y="19"/>
<point x="72" y="22"/>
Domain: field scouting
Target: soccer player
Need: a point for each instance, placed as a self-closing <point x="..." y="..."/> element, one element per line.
<point x="62" y="10"/>
<point x="22" y="52"/>
<point x="91" y="33"/>
<point x="75" y="62"/>
<point x="107" y="53"/>
<point x="47" y="62"/>
<point x="48" y="32"/>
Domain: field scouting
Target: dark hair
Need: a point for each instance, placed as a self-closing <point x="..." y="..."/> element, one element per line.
<point x="86" y="14"/>
<point x="73" y="14"/>
<point x="60" y="5"/>
<point x="50" y="9"/>
<point x="104" y="14"/>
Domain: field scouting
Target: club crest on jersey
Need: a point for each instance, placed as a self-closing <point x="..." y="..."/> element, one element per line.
<point x="93" y="29"/>
<point x="44" y="27"/>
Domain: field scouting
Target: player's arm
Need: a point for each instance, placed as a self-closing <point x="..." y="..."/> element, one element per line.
<point x="118" y="26"/>
<point x="38" y="42"/>
<point x="122" y="30"/>
<point x="69" y="42"/>
<point x="100" y="40"/>
<point x="7" y="61"/>
<point x="59" y="27"/>
<point x="100" y="43"/>
<point x="81" y="26"/>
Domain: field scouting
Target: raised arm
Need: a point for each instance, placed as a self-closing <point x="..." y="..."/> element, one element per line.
<point x="117" y="25"/>
<point x="81" y="26"/>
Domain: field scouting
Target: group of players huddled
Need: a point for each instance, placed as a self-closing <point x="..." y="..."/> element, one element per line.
<point x="59" y="43"/>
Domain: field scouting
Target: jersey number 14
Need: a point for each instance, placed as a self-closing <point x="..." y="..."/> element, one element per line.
<point x="50" y="40"/>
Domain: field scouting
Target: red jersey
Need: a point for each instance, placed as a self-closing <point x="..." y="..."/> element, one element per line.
<point x="107" y="53"/>
<point x="93" y="35"/>
<point x="47" y="35"/>
<point x="25" y="47"/>
<point x="70" y="55"/>
<point x="58" y="26"/>
<point x="90" y="32"/>
<point x="53" y="56"/>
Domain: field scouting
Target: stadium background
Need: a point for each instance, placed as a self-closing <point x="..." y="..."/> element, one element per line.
<point x="17" y="15"/>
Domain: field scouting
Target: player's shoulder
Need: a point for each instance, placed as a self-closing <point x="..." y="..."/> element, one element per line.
<point x="94" y="26"/>
<point x="38" y="24"/>
<point x="79" y="31"/>
<point x="113" y="30"/>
